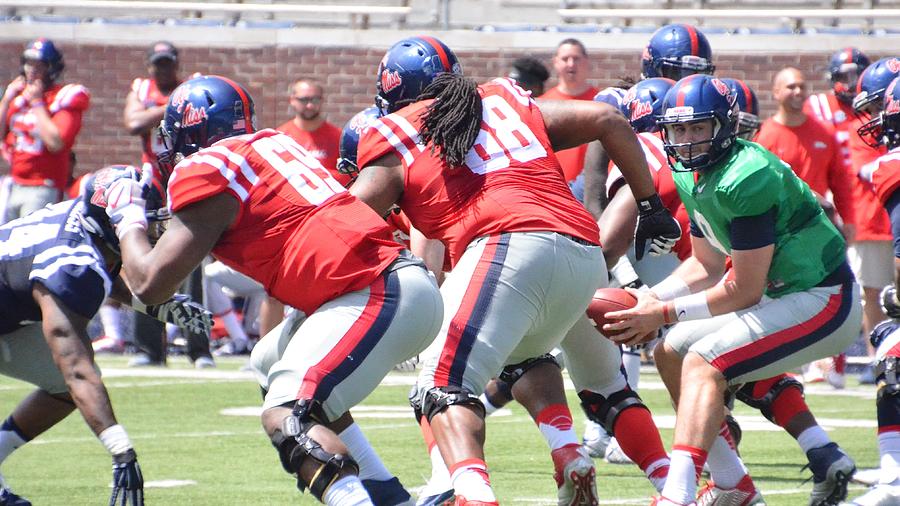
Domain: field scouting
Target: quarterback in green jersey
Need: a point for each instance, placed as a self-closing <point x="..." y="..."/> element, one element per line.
<point x="788" y="298"/>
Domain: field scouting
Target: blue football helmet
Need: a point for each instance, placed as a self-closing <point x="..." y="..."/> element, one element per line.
<point x="44" y="50"/>
<point x="697" y="98"/>
<point x="844" y="69"/>
<point x="94" y="217"/>
<point x="350" y="136"/>
<point x="872" y="83"/>
<point x="884" y="128"/>
<point x="677" y="51"/>
<point x="200" y="113"/>
<point x="748" y="117"/>
<point x="408" y="67"/>
<point x="612" y="96"/>
<point x="643" y="103"/>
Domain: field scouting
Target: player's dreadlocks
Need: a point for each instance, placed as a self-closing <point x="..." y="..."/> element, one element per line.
<point x="451" y="123"/>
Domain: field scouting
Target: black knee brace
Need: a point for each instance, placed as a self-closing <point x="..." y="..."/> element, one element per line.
<point x="294" y="446"/>
<point x="511" y="373"/>
<point x="415" y="402"/>
<point x="439" y="398"/>
<point x="605" y="411"/>
<point x="764" y="403"/>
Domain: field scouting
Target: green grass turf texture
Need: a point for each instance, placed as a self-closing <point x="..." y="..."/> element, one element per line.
<point x="179" y="434"/>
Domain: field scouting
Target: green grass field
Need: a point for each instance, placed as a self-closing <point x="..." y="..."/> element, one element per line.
<point x="193" y="452"/>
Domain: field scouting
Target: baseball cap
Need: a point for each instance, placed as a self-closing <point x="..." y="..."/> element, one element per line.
<point x="160" y="50"/>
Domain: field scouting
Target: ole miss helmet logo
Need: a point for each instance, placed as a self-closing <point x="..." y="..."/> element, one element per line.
<point x="390" y="79"/>
<point x="721" y="87"/>
<point x="639" y="109"/>
<point x="893" y="65"/>
<point x="193" y="115"/>
<point x="179" y="97"/>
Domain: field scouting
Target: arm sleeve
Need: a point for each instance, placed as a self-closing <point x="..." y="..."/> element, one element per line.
<point x="695" y="229"/>
<point x="752" y="232"/>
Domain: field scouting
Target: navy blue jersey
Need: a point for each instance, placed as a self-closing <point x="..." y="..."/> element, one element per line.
<point x="51" y="247"/>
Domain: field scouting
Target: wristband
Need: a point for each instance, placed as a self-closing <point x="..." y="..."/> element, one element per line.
<point x="666" y="308"/>
<point x="670" y="288"/>
<point x="115" y="439"/>
<point x="691" y="307"/>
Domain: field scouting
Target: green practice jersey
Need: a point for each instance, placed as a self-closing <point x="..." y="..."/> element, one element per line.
<point x="750" y="182"/>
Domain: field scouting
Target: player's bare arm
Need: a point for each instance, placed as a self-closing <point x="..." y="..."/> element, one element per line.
<point x="380" y="184"/>
<point x="431" y="251"/>
<point x="66" y="335"/>
<point x="47" y="129"/>
<point x="571" y="123"/>
<point x="156" y="272"/>
<point x="138" y="118"/>
<point x="616" y="224"/>
<point x="595" y="174"/>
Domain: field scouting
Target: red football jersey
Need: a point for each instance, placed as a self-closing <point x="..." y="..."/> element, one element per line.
<point x="148" y="93"/>
<point x="884" y="174"/>
<point x="826" y="108"/>
<point x="31" y="163"/>
<point x="511" y="181"/>
<point x="571" y="160"/>
<point x="658" y="163"/>
<point x="872" y="222"/>
<point x="323" y="143"/>
<point x="298" y="232"/>
<point x="812" y="151"/>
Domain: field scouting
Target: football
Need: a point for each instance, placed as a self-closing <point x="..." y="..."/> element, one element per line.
<point x="606" y="300"/>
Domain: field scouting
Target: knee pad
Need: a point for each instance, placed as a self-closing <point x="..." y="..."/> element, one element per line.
<point x="605" y="411"/>
<point x="295" y="446"/>
<point x="764" y="402"/>
<point x="440" y="398"/>
<point x="512" y="373"/>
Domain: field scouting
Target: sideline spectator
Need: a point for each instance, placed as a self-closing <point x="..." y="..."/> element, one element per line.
<point x="40" y="121"/>
<point x="571" y="64"/>
<point x="310" y="129"/>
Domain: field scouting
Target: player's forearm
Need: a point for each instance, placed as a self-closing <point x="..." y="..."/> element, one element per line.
<point x="139" y="120"/>
<point x="147" y="281"/>
<point x="594" y="171"/>
<point x="47" y="130"/>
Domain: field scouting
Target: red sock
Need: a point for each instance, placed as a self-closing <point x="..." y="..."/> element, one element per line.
<point x="555" y="424"/>
<point x="638" y="436"/>
<point x="697" y="455"/>
<point x="840" y="363"/>
<point x="787" y="405"/>
<point x="427" y="435"/>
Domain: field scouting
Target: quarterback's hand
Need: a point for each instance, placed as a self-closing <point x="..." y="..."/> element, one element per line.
<point x="889" y="303"/>
<point x="128" y="482"/>
<point x="14" y="88"/>
<point x="183" y="312"/>
<point x="655" y="224"/>
<point x="125" y="205"/>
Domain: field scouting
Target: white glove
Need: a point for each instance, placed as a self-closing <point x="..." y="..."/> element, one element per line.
<point x="125" y="205"/>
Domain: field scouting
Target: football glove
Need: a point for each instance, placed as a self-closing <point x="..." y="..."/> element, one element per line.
<point x="125" y="205"/>
<point x="655" y="224"/>
<point x="128" y="482"/>
<point x="889" y="303"/>
<point x="181" y="311"/>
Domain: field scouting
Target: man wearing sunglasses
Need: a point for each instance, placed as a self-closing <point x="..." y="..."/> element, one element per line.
<point x="309" y="128"/>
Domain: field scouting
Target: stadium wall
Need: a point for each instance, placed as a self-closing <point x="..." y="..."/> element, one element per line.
<point x="106" y="60"/>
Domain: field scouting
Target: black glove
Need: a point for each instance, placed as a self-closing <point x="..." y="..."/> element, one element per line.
<point x="889" y="303"/>
<point x="182" y="311"/>
<point x="655" y="224"/>
<point x="128" y="482"/>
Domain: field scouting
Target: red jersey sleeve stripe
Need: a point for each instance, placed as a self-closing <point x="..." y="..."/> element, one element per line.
<point x="394" y="130"/>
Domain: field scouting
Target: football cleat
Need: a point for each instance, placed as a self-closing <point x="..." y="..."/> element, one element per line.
<point x="662" y="501"/>
<point x="8" y="498"/>
<point x="462" y="501"/>
<point x="879" y="495"/>
<point x="615" y="455"/>
<point x="388" y="492"/>
<point x="744" y="493"/>
<point x="832" y="470"/>
<point x="574" y="476"/>
<point x="442" y="499"/>
<point x="108" y="344"/>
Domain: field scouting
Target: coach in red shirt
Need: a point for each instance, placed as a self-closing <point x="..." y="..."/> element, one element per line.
<point x="310" y="129"/>
<point x="808" y="146"/>
<point x="571" y="66"/>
